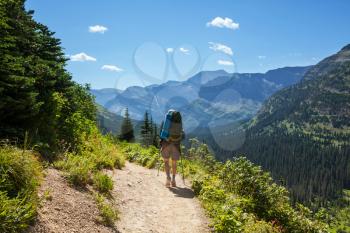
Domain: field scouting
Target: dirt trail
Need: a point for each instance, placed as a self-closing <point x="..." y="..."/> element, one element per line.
<point x="146" y="205"/>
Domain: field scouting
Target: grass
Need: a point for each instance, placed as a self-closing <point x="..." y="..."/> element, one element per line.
<point x="47" y="195"/>
<point x="102" y="182"/>
<point x="107" y="213"/>
<point x="20" y="176"/>
<point x="98" y="153"/>
<point x="148" y="157"/>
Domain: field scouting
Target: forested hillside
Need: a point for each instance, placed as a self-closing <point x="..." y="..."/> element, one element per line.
<point x="302" y="133"/>
<point x="38" y="95"/>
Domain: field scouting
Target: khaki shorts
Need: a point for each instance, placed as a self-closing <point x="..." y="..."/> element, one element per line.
<point x="169" y="149"/>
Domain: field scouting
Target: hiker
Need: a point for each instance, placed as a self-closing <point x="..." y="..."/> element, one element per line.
<point x="171" y="134"/>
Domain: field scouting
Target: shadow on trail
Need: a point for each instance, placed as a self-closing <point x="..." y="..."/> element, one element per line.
<point x="182" y="192"/>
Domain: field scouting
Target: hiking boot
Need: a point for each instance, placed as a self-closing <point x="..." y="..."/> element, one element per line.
<point x="173" y="183"/>
<point x="167" y="182"/>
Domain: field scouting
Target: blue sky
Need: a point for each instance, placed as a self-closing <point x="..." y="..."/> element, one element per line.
<point x="146" y="42"/>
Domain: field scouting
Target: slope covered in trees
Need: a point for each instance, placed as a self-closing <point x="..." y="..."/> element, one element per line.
<point x="37" y="94"/>
<point x="302" y="133"/>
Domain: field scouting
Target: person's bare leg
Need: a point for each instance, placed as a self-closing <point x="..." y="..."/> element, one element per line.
<point x="173" y="168"/>
<point x="167" y="172"/>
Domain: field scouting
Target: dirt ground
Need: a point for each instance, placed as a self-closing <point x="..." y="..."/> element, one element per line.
<point x="65" y="209"/>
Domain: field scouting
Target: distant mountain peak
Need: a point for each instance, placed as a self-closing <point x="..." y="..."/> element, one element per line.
<point x="329" y="64"/>
<point x="346" y="48"/>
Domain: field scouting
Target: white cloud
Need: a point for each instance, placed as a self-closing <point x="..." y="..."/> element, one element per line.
<point x="97" y="28"/>
<point x="111" y="68"/>
<point x="184" y="50"/>
<point x="261" y="57"/>
<point x="82" y="57"/>
<point x="170" y="50"/>
<point x="225" y="62"/>
<point x="223" y="23"/>
<point x="220" y="47"/>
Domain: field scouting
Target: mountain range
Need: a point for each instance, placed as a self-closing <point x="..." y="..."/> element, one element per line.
<point x="209" y="98"/>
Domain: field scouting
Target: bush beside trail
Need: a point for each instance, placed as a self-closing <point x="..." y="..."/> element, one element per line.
<point x="20" y="175"/>
<point x="95" y="154"/>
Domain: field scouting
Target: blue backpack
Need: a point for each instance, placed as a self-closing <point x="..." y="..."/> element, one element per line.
<point x="172" y="127"/>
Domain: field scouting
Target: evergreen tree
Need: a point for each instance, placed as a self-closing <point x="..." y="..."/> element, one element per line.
<point x="146" y="130"/>
<point x="127" y="129"/>
<point x="155" y="136"/>
<point x="18" y="97"/>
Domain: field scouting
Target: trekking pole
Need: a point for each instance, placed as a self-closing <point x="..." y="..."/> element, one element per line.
<point x="182" y="168"/>
<point x="158" y="163"/>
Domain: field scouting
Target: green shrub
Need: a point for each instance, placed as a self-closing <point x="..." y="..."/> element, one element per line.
<point x="98" y="152"/>
<point x="197" y="186"/>
<point x="258" y="226"/>
<point x="19" y="170"/>
<point x="78" y="169"/>
<point x="79" y="176"/>
<point x="146" y="156"/>
<point x="20" y="175"/>
<point x="16" y="213"/>
<point x="108" y="214"/>
<point x="102" y="182"/>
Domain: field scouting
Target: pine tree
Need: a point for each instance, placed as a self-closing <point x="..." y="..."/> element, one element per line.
<point x="146" y="130"/>
<point x="18" y="96"/>
<point x="155" y="136"/>
<point x="127" y="129"/>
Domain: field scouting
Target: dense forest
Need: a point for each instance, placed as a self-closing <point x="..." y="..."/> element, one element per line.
<point x="314" y="174"/>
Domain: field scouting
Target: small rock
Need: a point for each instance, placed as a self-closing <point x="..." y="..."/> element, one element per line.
<point x="129" y="184"/>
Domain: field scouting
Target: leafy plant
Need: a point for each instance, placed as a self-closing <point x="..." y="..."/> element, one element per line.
<point x="96" y="153"/>
<point x="108" y="214"/>
<point x="102" y="182"/>
<point x="20" y="175"/>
